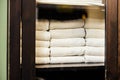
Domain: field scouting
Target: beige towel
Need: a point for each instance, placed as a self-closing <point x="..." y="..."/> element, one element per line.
<point x="96" y="42"/>
<point x="42" y="25"/>
<point x="95" y="24"/>
<point x="42" y="35"/>
<point x="66" y="51"/>
<point x="42" y="52"/>
<point x="95" y="51"/>
<point x="39" y="43"/>
<point x="68" y="33"/>
<point x="72" y="59"/>
<point x="42" y="60"/>
<point x="39" y="60"/>
<point x="95" y="33"/>
<point x="42" y="43"/>
<point x="94" y="59"/>
<point x="68" y="42"/>
<point x="68" y="24"/>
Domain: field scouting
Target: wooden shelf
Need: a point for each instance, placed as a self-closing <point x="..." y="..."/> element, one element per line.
<point x="70" y="66"/>
<point x="77" y="3"/>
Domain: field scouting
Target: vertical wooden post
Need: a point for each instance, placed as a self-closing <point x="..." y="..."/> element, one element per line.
<point x="14" y="47"/>
<point x="119" y="39"/>
<point x="28" y="39"/>
<point x="103" y="1"/>
<point x="112" y="40"/>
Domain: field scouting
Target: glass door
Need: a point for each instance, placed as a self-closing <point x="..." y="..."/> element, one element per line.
<point x="63" y="36"/>
<point x="69" y="34"/>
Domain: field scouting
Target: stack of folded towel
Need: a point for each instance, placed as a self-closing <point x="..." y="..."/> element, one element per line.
<point x="67" y="41"/>
<point x="95" y="40"/>
<point x="42" y="42"/>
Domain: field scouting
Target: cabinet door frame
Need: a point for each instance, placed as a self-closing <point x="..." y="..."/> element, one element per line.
<point x="14" y="12"/>
<point x="112" y="60"/>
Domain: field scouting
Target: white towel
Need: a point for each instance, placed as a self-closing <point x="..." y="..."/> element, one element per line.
<point x="40" y="35"/>
<point x="42" y="52"/>
<point x="96" y="42"/>
<point x="43" y="35"/>
<point x="95" y="33"/>
<point x="68" y="42"/>
<point x="42" y="25"/>
<point x="42" y="43"/>
<point x="39" y="43"/>
<point x="94" y="59"/>
<point x="95" y="24"/>
<point x="68" y="24"/>
<point x="68" y="33"/>
<point x="39" y="60"/>
<point x="42" y="60"/>
<point x="66" y="51"/>
<point x="73" y="59"/>
<point x="95" y="51"/>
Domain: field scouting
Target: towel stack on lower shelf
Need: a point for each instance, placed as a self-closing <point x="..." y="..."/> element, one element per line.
<point x="67" y="41"/>
<point x="95" y="38"/>
<point x="42" y="42"/>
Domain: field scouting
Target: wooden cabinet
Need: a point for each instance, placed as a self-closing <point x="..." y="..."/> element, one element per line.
<point x="24" y="10"/>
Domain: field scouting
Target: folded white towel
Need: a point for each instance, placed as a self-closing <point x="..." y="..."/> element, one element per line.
<point x="39" y="60"/>
<point x="39" y="43"/>
<point x="73" y="59"/>
<point x="66" y="51"/>
<point x="96" y="42"/>
<point x="68" y="42"/>
<point x="94" y="59"/>
<point x="68" y="33"/>
<point x="42" y="52"/>
<point x="40" y="35"/>
<point x="42" y="43"/>
<point x="95" y="24"/>
<point x="43" y="35"/>
<point x="95" y="33"/>
<point x="42" y="60"/>
<point x="95" y="51"/>
<point x="42" y="25"/>
<point x="68" y="24"/>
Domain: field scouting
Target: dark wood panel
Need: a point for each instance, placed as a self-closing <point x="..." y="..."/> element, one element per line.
<point x="119" y="39"/>
<point x="112" y="39"/>
<point x="28" y="37"/>
<point x="15" y="12"/>
<point x="103" y="1"/>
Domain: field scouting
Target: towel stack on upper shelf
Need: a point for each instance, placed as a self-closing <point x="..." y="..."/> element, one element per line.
<point x="67" y="41"/>
<point x="95" y="39"/>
